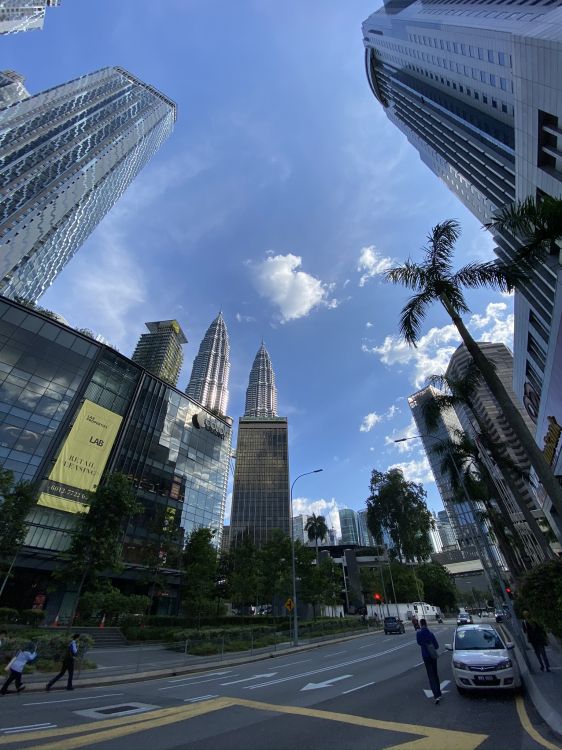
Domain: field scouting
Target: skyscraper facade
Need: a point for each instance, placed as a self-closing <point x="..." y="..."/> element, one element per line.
<point x="349" y="526"/>
<point x="23" y="15"/>
<point x="446" y="531"/>
<point x="476" y="90"/>
<point x="160" y="350"/>
<point x="486" y="414"/>
<point x="261" y="395"/>
<point x="12" y="88"/>
<point x="260" y="493"/>
<point x="66" y="156"/>
<point x="208" y="383"/>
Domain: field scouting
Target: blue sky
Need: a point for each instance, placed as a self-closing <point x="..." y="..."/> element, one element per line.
<point x="282" y="193"/>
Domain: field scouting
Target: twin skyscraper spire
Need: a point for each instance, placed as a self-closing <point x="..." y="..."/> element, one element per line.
<point x="159" y="351"/>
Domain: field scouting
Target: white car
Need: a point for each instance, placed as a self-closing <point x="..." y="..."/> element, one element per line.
<point x="482" y="659"/>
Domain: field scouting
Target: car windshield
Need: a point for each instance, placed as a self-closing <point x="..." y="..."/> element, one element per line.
<point x="477" y="640"/>
<point x="390" y="619"/>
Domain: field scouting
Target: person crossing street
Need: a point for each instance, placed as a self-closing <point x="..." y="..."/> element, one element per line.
<point x="67" y="663"/>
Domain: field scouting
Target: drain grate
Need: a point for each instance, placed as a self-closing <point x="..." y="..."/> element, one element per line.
<point x="116" y="709"/>
<point x="121" y="709"/>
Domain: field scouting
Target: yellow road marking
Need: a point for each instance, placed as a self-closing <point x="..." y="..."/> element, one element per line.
<point x="111" y="729"/>
<point x="529" y="728"/>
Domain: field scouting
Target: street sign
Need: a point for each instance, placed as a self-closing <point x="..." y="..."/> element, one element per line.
<point x="289" y="605"/>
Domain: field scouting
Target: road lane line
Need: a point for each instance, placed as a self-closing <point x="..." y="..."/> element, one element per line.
<point x="529" y="728"/>
<point x="367" y="684"/>
<point x="200" y="698"/>
<point x="23" y="731"/>
<point x="189" y="684"/>
<point x="26" y="726"/>
<point x="290" y="664"/>
<point x="247" y="679"/>
<point x="202" y="674"/>
<point x="326" y="669"/>
<point x="71" y="700"/>
<point x="328" y="656"/>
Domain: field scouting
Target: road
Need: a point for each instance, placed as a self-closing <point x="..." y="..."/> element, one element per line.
<point x="369" y="692"/>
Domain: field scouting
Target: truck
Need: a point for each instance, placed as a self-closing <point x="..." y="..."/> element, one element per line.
<point x="404" y="611"/>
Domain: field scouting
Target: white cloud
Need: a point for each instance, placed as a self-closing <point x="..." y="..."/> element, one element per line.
<point x="415" y="471"/>
<point x="497" y="323"/>
<point x="408" y="445"/>
<point x="294" y="292"/>
<point x="368" y="325"/>
<point x="327" y="508"/>
<point x="244" y="318"/>
<point x="392" y="412"/>
<point x="228" y="508"/>
<point x="430" y="357"/>
<point x="373" y="418"/>
<point x="372" y="263"/>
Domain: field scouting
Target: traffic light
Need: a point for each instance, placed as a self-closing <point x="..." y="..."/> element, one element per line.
<point x="378" y="598"/>
<point x="509" y="592"/>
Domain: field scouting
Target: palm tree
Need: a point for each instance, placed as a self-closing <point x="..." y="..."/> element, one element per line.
<point x="462" y="392"/>
<point x="316" y="528"/>
<point x="433" y="280"/>
<point x="537" y="224"/>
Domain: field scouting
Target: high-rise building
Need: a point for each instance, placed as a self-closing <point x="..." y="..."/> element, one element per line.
<point x="299" y="534"/>
<point x="476" y="90"/>
<point x="208" y="383"/>
<point x="349" y="525"/>
<point x="365" y="536"/>
<point x="486" y="414"/>
<point x="66" y="156"/>
<point x="160" y="350"/>
<point x="435" y="536"/>
<point x="446" y="531"/>
<point x="260" y="493"/>
<point x="261" y="396"/>
<point x="23" y="15"/>
<point x="12" y="88"/>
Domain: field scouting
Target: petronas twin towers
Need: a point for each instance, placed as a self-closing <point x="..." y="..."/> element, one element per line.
<point x="208" y="383"/>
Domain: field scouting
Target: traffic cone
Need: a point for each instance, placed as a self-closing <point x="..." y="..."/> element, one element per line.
<point x="102" y="623"/>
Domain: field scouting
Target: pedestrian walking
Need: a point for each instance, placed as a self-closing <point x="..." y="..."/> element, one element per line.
<point x="16" y="667"/>
<point x="537" y="637"/>
<point x="429" y="646"/>
<point x="67" y="663"/>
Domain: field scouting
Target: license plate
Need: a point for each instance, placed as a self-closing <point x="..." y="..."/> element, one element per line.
<point x="486" y="678"/>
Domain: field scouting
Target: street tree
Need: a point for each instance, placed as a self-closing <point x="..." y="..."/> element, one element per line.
<point x="398" y="507"/>
<point x="433" y="280"/>
<point x="316" y="528"/>
<point x="200" y="562"/>
<point x="438" y="585"/>
<point x="244" y="579"/>
<point x="96" y="546"/>
<point x="16" y="501"/>
<point x="275" y="567"/>
<point x="400" y="580"/>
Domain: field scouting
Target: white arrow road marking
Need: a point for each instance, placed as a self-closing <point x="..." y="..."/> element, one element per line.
<point x="327" y="669"/>
<point x="327" y="683"/>
<point x="429" y="693"/>
<point x="247" y="679"/>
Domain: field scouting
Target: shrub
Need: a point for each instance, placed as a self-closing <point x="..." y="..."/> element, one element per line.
<point x="540" y="592"/>
<point x="205" y="649"/>
<point x="32" y="616"/>
<point x="8" y="615"/>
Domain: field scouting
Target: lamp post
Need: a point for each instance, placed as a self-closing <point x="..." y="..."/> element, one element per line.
<point x="295" y="615"/>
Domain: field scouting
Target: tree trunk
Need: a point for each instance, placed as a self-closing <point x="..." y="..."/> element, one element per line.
<point x="76" y="602"/>
<point x="511" y="413"/>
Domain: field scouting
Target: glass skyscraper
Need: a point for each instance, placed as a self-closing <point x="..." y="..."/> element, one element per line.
<point x="476" y="89"/>
<point x="23" y="15"/>
<point x="208" y="383"/>
<point x="260" y="494"/>
<point x="12" y="88"/>
<point x="160" y="350"/>
<point x="66" y="156"/>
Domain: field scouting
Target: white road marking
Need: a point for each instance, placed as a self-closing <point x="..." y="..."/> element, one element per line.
<point x="128" y="709"/>
<point x="200" y="698"/>
<point x="345" y="692"/>
<point x="71" y="700"/>
<point x="328" y="656"/>
<point x="326" y="669"/>
<point x="32" y="729"/>
<point x="201" y="674"/>
<point x="290" y="664"/>
<point x="429" y="693"/>
<point x="247" y="679"/>
<point x="189" y="684"/>
<point x="26" y="726"/>
<point x="326" y="683"/>
<point x="418" y="664"/>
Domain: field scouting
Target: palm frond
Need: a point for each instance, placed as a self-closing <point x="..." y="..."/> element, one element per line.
<point x="490" y="274"/>
<point x="518" y="218"/>
<point x="441" y="244"/>
<point x="411" y="275"/>
<point x="451" y="296"/>
<point x="413" y="314"/>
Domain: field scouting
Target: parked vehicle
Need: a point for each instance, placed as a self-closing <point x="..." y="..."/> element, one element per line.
<point x="499" y="615"/>
<point x="393" y="625"/>
<point x="482" y="659"/>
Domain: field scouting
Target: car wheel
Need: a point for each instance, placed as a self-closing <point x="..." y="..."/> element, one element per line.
<point x="461" y="690"/>
<point x="403" y="631"/>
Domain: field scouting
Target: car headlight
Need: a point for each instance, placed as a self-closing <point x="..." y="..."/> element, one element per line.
<point x="504" y="664"/>
<point x="459" y="664"/>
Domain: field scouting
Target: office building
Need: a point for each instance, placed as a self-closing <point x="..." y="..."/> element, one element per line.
<point x="12" y="88"/>
<point x="299" y="534"/>
<point x="66" y="156"/>
<point x="446" y="531"/>
<point x="365" y="536"/>
<point x="23" y="15"/>
<point x="260" y="493"/>
<point x="68" y="401"/>
<point x="349" y="525"/>
<point x="160" y="350"/>
<point x="476" y="90"/>
<point x="484" y="414"/>
<point x="208" y="383"/>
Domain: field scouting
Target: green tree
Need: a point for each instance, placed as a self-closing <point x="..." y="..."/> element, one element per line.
<point x="540" y="592"/>
<point x="439" y="588"/>
<point x="96" y="543"/>
<point x="107" y="601"/>
<point x="244" y="580"/>
<point x="406" y="586"/>
<point x="275" y="567"/>
<point x="370" y="584"/>
<point x="399" y="507"/>
<point x="200" y="562"/>
<point x="433" y="280"/>
<point x="316" y="528"/>
<point x="16" y="502"/>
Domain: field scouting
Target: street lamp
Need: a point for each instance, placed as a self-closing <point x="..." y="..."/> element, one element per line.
<point x="295" y="615"/>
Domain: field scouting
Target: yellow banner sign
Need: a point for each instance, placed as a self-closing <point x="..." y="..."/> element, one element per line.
<point x="82" y="459"/>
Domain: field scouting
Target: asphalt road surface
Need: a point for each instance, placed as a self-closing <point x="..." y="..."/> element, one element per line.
<point x="367" y="693"/>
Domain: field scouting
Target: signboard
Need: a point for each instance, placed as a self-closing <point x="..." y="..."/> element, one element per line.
<point x="550" y="426"/>
<point x="289" y="605"/>
<point x="82" y="459"/>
